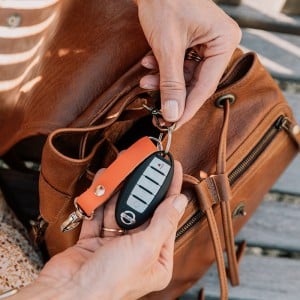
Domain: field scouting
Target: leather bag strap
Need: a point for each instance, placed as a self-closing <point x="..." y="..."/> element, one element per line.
<point x="213" y="190"/>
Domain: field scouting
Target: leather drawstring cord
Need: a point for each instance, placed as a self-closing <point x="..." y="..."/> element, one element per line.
<point x="213" y="190"/>
<point x="225" y="203"/>
<point x="206" y="202"/>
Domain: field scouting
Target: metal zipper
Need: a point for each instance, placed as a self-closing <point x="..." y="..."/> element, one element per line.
<point x="240" y="169"/>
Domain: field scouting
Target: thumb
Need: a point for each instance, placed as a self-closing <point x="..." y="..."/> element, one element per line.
<point x="166" y="217"/>
<point x="172" y="85"/>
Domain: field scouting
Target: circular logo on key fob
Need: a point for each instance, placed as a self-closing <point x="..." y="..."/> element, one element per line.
<point x="128" y="217"/>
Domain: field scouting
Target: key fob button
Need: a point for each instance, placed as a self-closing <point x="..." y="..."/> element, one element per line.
<point x="160" y="166"/>
<point x="143" y="195"/>
<point x="136" y="204"/>
<point x="154" y="175"/>
<point x="149" y="185"/>
<point x="144" y="189"/>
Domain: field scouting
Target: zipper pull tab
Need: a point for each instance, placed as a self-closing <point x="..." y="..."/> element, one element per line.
<point x="293" y="130"/>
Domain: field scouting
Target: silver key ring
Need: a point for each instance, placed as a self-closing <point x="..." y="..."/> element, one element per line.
<point x="169" y="137"/>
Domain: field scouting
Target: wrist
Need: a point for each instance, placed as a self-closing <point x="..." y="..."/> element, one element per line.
<point x="106" y="287"/>
<point x="41" y="289"/>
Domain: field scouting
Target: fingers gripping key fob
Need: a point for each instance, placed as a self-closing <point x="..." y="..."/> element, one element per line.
<point x="144" y="189"/>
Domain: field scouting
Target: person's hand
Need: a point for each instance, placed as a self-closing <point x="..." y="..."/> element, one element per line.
<point x="116" y="267"/>
<point x="173" y="26"/>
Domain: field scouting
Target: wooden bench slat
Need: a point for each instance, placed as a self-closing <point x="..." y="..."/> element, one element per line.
<point x="278" y="52"/>
<point x="275" y="225"/>
<point x="262" y="278"/>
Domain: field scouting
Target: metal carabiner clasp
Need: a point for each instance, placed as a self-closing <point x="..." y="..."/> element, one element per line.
<point x="160" y="123"/>
<point x="170" y="130"/>
<point x="75" y="218"/>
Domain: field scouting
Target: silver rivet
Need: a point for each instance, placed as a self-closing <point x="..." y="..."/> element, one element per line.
<point x="14" y="20"/>
<point x="99" y="190"/>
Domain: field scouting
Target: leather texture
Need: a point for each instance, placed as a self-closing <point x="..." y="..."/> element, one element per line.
<point x="88" y="46"/>
<point x="90" y="105"/>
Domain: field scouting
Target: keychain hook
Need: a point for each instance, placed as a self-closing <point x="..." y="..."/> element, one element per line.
<point x="158" y="118"/>
<point x="157" y="114"/>
<point x="75" y="218"/>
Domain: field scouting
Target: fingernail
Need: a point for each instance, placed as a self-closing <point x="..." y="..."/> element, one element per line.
<point x="147" y="64"/>
<point x="180" y="203"/>
<point x="170" y="110"/>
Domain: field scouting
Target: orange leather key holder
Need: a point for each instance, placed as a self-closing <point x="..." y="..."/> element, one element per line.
<point x="107" y="182"/>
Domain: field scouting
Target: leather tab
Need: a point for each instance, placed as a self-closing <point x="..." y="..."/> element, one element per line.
<point x="213" y="189"/>
<point x="293" y="129"/>
<point x="205" y="196"/>
<point x="104" y="186"/>
<point x="222" y="187"/>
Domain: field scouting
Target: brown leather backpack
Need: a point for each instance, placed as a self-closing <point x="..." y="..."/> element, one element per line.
<point x="90" y="104"/>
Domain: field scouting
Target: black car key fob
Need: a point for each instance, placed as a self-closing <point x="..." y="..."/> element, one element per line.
<point x="144" y="189"/>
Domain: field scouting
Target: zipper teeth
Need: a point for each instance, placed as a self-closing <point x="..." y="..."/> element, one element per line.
<point x="189" y="224"/>
<point x="253" y="155"/>
<point x="238" y="171"/>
